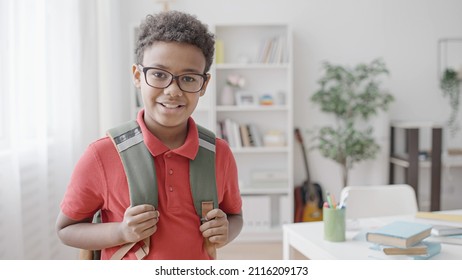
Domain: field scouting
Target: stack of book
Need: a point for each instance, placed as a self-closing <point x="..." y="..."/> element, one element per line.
<point x="446" y="234"/>
<point x="239" y="135"/>
<point x="402" y="240"/>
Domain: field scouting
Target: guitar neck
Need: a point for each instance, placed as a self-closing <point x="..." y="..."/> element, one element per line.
<point x="307" y="171"/>
<point x="305" y="159"/>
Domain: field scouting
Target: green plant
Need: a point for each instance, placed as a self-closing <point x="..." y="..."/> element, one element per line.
<point x="353" y="96"/>
<point x="450" y="85"/>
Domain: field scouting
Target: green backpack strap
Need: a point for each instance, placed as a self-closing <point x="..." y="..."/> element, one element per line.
<point x="139" y="168"/>
<point x="202" y="172"/>
<point x="137" y="161"/>
<point x="203" y="182"/>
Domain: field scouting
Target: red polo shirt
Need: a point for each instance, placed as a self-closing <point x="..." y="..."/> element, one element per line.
<point x="99" y="182"/>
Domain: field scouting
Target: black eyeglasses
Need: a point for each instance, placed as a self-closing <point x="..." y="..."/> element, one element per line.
<point x="159" y="78"/>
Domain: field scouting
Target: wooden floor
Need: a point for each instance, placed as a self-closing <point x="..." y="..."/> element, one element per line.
<point x="254" y="251"/>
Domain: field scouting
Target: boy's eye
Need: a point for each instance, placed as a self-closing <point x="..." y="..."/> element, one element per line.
<point x="188" y="79"/>
<point x="159" y="75"/>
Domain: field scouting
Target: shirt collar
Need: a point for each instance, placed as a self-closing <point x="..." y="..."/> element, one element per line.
<point x="189" y="149"/>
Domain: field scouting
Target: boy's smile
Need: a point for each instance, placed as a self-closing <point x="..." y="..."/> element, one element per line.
<point x="169" y="107"/>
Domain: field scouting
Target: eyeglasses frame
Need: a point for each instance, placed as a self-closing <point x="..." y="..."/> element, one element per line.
<point x="174" y="78"/>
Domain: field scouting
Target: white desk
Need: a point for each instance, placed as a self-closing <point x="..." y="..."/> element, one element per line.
<point x="308" y="239"/>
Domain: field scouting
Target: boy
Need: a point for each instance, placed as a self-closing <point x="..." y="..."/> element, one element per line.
<point x="174" y="53"/>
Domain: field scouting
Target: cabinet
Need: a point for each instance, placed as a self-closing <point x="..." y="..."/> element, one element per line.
<point x="408" y="154"/>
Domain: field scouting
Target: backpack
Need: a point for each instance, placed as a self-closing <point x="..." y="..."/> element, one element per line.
<point x="139" y="168"/>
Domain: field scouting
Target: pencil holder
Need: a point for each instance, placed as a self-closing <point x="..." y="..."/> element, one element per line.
<point x="334" y="224"/>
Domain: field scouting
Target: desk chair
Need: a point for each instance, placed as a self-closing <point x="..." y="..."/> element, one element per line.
<point x="375" y="201"/>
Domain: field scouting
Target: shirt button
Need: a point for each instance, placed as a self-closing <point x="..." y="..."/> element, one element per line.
<point x="170" y="188"/>
<point x="170" y="171"/>
<point x="169" y="155"/>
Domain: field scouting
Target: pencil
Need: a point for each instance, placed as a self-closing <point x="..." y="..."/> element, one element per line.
<point x="329" y="200"/>
<point x="334" y="203"/>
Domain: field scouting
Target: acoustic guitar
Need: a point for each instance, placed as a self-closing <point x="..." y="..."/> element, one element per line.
<point x="309" y="196"/>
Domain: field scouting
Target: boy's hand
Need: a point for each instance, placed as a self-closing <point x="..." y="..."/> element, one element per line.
<point x="139" y="222"/>
<point x="216" y="228"/>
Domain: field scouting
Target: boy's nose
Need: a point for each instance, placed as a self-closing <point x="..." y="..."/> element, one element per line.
<point x="173" y="89"/>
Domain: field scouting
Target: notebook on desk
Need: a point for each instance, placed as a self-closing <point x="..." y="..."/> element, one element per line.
<point x="401" y="234"/>
<point x="439" y="216"/>
<point x="448" y="239"/>
<point x="443" y="230"/>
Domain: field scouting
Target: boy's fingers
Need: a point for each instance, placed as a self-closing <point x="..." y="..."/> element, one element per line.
<point x="215" y="214"/>
<point x="138" y="209"/>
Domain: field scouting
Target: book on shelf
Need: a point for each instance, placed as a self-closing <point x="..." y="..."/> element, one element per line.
<point x="227" y="132"/>
<point x="255" y="135"/>
<point x="245" y="136"/>
<point x="219" y="51"/>
<point x="448" y="239"/>
<point x="421" y="251"/>
<point x="221" y="131"/>
<point x="239" y="135"/>
<point x="273" y="50"/>
<point x="401" y="234"/>
<point x="441" y="230"/>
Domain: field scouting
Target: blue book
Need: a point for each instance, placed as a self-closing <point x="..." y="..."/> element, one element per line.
<point x="402" y="234"/>
<point x="421" y="251"/>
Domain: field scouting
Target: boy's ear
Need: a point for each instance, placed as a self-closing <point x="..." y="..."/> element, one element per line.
<point x="136" y="76"/>
<point x="202" y="92"/>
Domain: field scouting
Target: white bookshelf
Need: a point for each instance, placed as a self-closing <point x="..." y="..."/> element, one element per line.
<point x="265" y="208"/>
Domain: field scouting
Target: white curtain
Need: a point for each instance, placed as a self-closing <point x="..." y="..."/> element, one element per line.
<point x="44" y="124"/>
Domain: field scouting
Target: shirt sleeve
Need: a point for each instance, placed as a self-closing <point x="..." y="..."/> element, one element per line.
<point x="84" y="194"/>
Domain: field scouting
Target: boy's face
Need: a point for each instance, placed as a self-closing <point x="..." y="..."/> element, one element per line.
<point x="170" y="106"/>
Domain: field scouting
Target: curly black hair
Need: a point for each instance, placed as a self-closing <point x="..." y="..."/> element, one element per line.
<point x="175" y="26"/>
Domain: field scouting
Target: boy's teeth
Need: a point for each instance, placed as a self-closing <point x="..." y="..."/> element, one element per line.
<point x="170" y="106"/>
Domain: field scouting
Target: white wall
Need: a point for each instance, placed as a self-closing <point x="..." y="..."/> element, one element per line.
<point x="404" y="33"/>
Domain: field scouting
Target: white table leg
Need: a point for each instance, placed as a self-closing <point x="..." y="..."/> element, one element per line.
<point x="286" y="252"/>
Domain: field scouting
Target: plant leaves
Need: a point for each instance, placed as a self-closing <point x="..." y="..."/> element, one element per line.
<point x="353" y="96"/>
